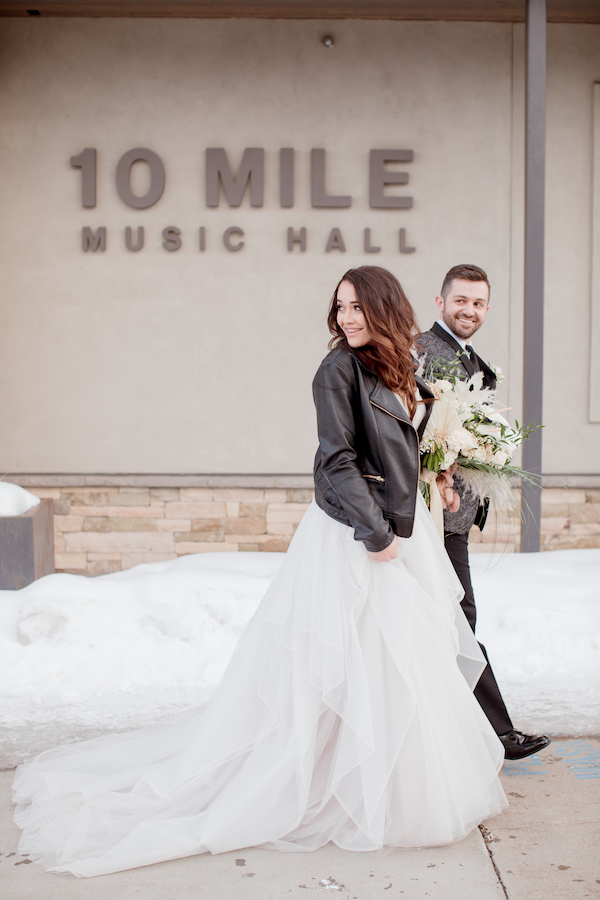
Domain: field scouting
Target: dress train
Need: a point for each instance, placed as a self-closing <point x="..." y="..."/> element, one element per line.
<point x="346" y="714"/>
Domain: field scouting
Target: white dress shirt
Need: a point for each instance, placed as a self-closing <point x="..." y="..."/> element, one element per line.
<point x="458" y="340"/>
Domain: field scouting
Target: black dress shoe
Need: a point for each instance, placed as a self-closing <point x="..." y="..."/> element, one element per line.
<point x="518" y="745"/>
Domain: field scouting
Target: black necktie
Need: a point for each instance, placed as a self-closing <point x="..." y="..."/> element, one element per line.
<point x="473" y="358"/>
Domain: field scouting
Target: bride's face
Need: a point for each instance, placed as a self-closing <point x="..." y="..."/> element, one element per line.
<point x="350" y="317"/>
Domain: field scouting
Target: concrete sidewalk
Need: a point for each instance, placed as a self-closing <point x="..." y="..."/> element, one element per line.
<point x="546" y="846"/>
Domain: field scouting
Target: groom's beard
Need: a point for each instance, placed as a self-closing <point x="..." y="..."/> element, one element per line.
<point x="461" y="329"/>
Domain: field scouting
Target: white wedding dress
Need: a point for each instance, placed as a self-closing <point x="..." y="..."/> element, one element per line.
<point x="345" y="715"/>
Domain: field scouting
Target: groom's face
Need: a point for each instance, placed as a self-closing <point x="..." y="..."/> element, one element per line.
<point x="465" y="307"/>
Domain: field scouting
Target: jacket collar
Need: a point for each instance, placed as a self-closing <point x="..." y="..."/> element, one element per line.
<point x="489" y="377"/>
<point x="465" y="361"/>
<point x="385" y="399"/>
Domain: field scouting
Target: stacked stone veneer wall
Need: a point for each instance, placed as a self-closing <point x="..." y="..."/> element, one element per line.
<point x="570" y="520"/>
<point x="101" y="528"/>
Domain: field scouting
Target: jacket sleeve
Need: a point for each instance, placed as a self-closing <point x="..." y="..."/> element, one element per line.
<point x="334" y="390"/>
<point x="461" y="522"/>
<point x="424" y="351"/>
<point x="431" y="349"/>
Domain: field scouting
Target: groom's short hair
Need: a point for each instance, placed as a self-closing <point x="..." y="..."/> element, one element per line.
<point x="466" y="271"/>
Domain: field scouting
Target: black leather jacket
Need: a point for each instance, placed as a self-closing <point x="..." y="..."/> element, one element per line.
<point x="367" y="465"/>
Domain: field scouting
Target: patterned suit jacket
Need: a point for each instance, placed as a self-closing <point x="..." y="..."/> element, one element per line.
<point x="438" y="344"/>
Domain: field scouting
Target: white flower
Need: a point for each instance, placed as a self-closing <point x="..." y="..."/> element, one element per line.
<point x="461" y="440"/>
<point x="464" y="410"/>
<point x="498" y="373"/>
<point x="442" y="387"/>
<point x="450" y="457"/>
<point x="446" y="387"/>
<point x="463" y="393"/>
<point x="478" y="453"/>
<point x="473" y="393"/>
<point x="500" y="458"/>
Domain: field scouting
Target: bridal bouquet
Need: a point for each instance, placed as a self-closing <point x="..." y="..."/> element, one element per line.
<point x="465" y="428"/>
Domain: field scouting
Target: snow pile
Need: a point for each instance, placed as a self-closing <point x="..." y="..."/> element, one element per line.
<point x="15" y="500"/>
<point x="81" y="656"/>
<point x="539" y="618"/>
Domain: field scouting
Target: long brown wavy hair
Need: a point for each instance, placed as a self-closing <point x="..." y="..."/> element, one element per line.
<point x="391" y="322"/>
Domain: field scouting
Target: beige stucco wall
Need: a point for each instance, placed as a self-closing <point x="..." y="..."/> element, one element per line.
<point x="202" y="362"/>
<point x="574" y="66"/>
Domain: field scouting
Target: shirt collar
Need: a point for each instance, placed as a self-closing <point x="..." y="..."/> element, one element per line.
<point x="458" y="340"/>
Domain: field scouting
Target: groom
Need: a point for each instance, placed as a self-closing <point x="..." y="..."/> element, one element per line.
<point x="463" y="306"/>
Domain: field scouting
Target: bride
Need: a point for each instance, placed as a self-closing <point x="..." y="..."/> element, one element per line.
<point x="346" y="712"/>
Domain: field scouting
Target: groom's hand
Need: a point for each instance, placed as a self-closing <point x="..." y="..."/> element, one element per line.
<point x="444" y="482"/>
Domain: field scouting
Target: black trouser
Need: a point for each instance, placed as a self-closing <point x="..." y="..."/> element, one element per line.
<point x="486" y="691"/>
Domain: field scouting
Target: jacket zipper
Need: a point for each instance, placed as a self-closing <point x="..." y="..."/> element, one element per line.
<point x="374" y="477"/>
<point x="376" y="405"/>
<point x="399" y="418"/>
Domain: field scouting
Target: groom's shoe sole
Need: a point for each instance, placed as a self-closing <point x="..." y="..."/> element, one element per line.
<point x="522" y="745"/>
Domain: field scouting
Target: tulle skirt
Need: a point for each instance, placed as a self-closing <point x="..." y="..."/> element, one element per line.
<point x="346" y="714"/>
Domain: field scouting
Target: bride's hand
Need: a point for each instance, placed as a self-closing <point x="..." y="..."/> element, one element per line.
<point x="444" y="482"/>
<point x="386" y="555"/>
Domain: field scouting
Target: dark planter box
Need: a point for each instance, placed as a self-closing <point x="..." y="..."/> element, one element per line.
<point x="26" y="546"/>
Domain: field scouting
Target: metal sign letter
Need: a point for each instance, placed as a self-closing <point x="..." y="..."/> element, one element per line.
<point x="157" y="178"/>
<point x="251" y="171"/>
<point x="379" y="178"/>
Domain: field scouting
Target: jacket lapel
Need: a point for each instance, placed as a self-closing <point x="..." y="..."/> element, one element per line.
<point x="388" y="401"/>
<point x="465" y="360"/>
<point x="385" y="399"/>
<point x="489" y="377"/>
